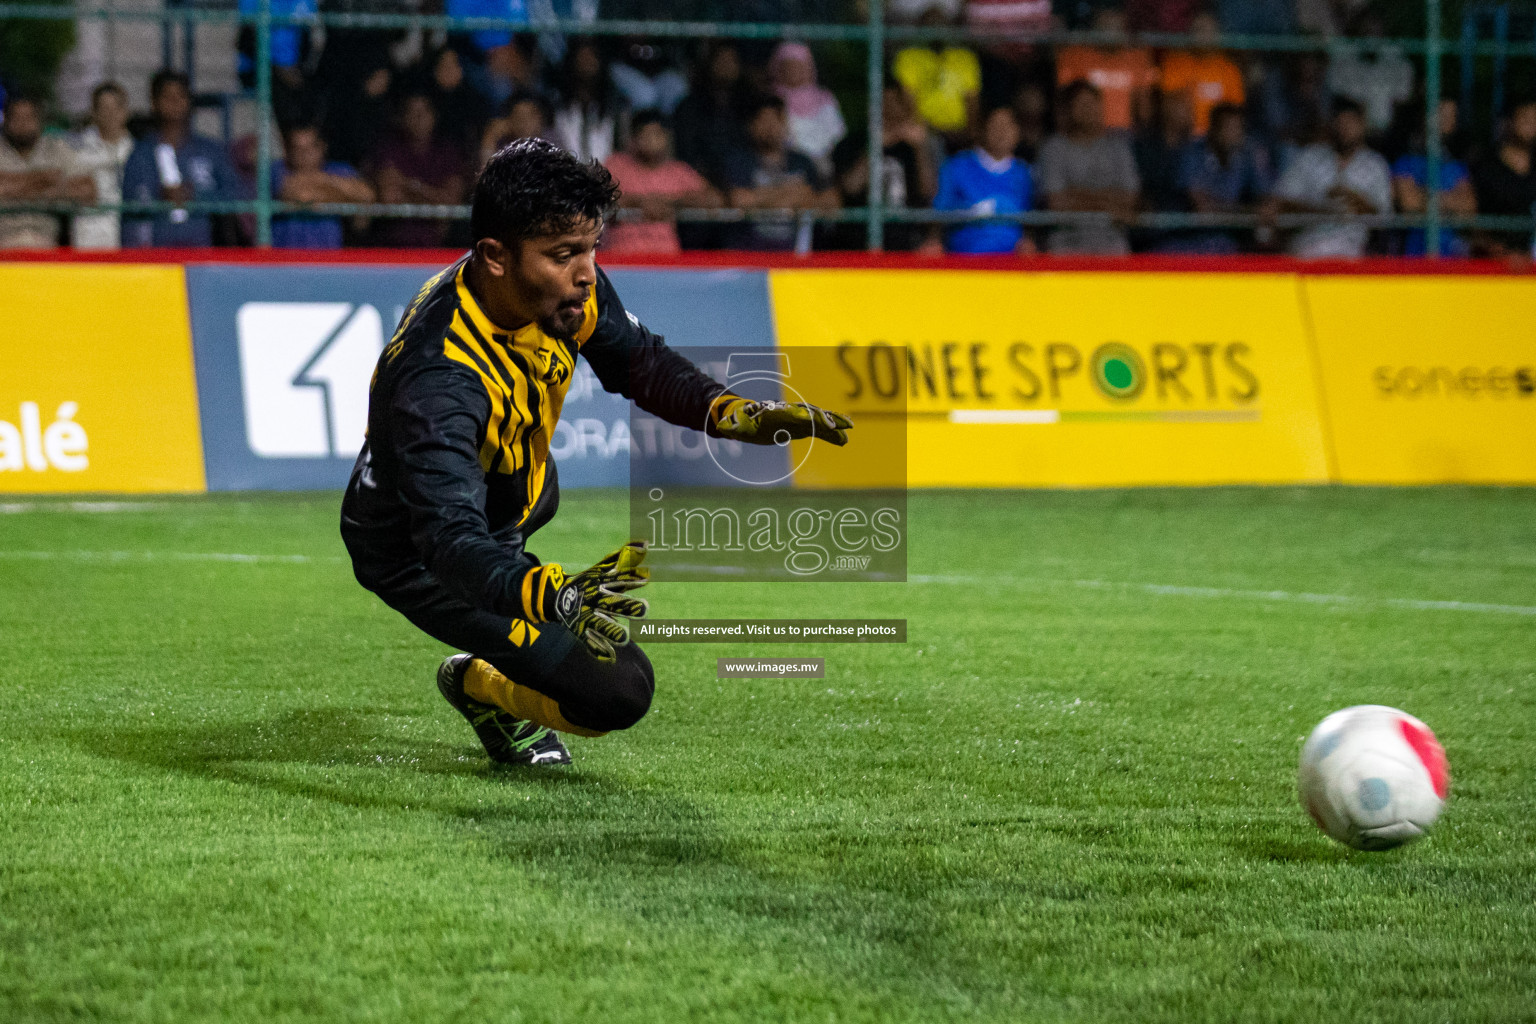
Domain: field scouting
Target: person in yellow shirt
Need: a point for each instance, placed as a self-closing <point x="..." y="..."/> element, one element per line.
<point x="944" y="81"/>
<point x="1208" y="75"/>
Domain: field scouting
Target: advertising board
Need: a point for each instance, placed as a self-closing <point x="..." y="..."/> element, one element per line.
<point x="96" y="387"/>
<point x="1078" y="380"/>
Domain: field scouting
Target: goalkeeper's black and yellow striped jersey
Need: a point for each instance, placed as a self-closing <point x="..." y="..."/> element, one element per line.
<point x="456" y="471"/>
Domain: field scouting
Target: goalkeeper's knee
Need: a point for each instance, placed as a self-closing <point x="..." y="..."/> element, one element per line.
<point x="606" y="696"/>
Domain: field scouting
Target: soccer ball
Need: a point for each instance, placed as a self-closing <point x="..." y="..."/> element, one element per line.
<point x="1373" y="777"/>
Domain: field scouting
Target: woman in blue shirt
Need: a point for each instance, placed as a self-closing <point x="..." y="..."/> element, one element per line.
<point x="984" y="181"/>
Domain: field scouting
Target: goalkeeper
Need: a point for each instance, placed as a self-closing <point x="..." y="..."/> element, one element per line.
<point x="456" y="476"/>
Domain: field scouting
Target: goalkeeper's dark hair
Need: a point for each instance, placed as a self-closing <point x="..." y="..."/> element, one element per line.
<point x="531" y="187"/>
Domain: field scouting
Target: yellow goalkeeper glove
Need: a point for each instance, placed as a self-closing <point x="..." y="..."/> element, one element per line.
<point x="592" y="602"/>
<point x="762" y="422"/>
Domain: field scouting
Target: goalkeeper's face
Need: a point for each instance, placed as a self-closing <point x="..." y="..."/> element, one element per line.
<point x="548" y="278"/>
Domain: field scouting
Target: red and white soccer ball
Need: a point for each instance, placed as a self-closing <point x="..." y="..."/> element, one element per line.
<point x="1373" y="777"/>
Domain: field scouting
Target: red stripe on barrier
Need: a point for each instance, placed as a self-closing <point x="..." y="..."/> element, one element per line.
<point x="1431" y="754"/>
<point x="820" y="261"/>
<point x="424" y="257"/>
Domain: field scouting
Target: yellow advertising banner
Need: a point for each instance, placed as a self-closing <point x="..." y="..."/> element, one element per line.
<point x="97" y="390"/>
<point x="1428" y="379"/>
<point x="1081" y="380"/>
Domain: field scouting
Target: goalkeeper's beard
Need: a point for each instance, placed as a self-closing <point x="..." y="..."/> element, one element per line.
<point x="564" y="322"/>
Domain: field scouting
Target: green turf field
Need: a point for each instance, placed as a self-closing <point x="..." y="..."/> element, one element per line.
<point x="230" y="791"/>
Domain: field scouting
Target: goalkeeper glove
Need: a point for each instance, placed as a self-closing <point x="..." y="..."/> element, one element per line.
<point x="591" y="602"/>
<point x="759" y="422"/>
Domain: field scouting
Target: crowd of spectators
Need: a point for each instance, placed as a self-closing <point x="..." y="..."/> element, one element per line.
<point x="1100" y="134"/>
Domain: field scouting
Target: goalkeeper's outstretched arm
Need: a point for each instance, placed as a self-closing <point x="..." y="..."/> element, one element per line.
<point x="631" y="361"/>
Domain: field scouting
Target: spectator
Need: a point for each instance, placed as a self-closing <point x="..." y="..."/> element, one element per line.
<point x="511" y="70"/>
<point x="358" y="114"/>
<point x="1205" y="73"/>
<point x="1291" y="106"/>
<point x="771" y="176"/>
<point x="462" y="112"/>
<point x="170" y="163"/>
<point x="815" y="120"/>
<point x="101" y="150"/>
<point x="1341" y="176"/>
<point x="1160" y="149"/>
<point x="984" y="181"/>
<point x="1410" y="181"/>
<point x="944" y="80"/>
<point x="1032" y="109"/>
<point x="1124" y="74"/>
<point x="305" y="176"/>
<point x="418" y="166"/>
<point x="497" y="66"/>
<point x="1006" y="64"/>
<point x="526" y="118"/>
<point x="586" y="122"/>
<point x="1505" y="182"/>
<point x="1086" y="170"/>
<point x="647" y="80"/>
<point x="1175" y="16"/>
<point x="656" y="183"/>
<point x="908" y="175"/>
<point x="292" y="99"/>
<point x="37" y="167"/>
<point x="711" y="121"/>
<point x="1224" y="173"/>
<point x="1378" y="79"/>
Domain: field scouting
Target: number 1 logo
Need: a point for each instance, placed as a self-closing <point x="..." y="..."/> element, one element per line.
<point x="304" y="370"/>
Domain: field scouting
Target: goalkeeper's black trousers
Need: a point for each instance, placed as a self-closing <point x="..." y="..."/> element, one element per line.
<point x="547" y="657"/>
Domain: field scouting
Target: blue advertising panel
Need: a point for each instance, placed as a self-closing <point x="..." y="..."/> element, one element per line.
<point x="700" y="307"/>
<point x="284" y="355"/>
<point x="283" y="358"/>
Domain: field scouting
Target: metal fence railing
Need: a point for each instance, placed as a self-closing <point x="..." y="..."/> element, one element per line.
<point x="873" y="32"/>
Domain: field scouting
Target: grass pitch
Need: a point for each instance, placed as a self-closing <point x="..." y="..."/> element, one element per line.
<point x="230" y="791"/>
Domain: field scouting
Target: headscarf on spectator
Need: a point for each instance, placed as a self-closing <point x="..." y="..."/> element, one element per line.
<point x="815" y="119"/>
<point x="806" y="100"/>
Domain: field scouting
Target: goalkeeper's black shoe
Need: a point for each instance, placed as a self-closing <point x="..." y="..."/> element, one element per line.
<point x="507" y="740"/>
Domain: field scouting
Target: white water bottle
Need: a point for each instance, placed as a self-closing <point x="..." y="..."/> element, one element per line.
<point x="170" y="175"/>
